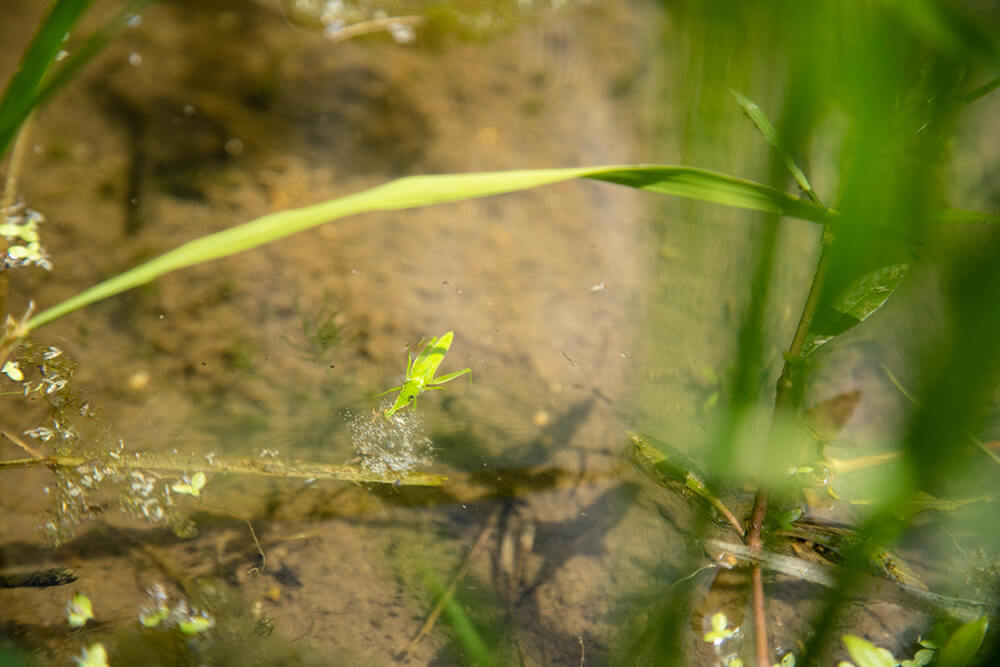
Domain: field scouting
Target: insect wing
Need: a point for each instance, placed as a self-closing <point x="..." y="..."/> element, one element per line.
<point x="430" y="358"/>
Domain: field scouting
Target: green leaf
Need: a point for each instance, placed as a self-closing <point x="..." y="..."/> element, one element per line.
<point x="714" y="188"/>
<point x="668" y="464"/>
<point x="870" y="292"/>
<point x="25" y="91"/>
<point x="866" y="654"/>
<point x="862" y="299"/>
<point x="418" y="191"/>
<point x="465" y="631"/>
<point x="767" y="129"/>
<point x="18" y="98"/>
<point x="963" y="643"/>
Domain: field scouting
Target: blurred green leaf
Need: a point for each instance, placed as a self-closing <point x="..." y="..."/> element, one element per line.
<point x="961" y="215"/>
<point x="866" y="654"/>
<point x="950" y="30"/>
<point x="465" y="631"/>
<point x="963" y="643"/>
<point x="862" y="299"/>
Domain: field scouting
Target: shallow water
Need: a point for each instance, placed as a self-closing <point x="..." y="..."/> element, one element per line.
<point x="582" y="309"/>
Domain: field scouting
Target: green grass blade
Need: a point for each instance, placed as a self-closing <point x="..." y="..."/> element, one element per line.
<point x="465" y="631"/>
<point x="767" y="129"/>
<point x="93" y="45"/>
<point x="25" y="97"/>
<point x="19" y="96"/>
<point x="714" y="188"/>
<point x="418" y="191"/>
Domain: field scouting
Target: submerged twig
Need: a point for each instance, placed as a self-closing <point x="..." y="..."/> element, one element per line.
<point x="53" y="576"/>
<point x="13" y="437"/>
<point x="257" y="569"/>
<point x="244" y="465"/>
<point x="386" y="24"/>
<point x="893" y="592"/>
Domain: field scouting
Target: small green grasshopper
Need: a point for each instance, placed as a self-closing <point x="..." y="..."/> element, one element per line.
<point x="420" y="373"/>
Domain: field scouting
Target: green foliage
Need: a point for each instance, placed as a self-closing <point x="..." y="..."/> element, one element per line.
<point x="862" y="299"/>
<point x="866" y="654"/>
<point x="473" y="640"/>
<point x="418" y="191"/>
<point x="26" y="89"/>
<point x="963" y="644"/>
<point x="899" y="122"/>
<point x="20" y="96"/>
<point x="322" y="330"/>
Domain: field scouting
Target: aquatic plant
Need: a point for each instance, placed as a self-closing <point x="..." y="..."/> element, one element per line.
<point x="854" y="277"/>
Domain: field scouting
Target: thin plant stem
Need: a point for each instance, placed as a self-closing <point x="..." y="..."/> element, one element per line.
<point x="244" y="466"/>
<point x="387" y="23"/>
<point x="784" y="398"/>
<point x="13" y="437"/>
<point x="785" y="395"/>
<point x="14" y="164"/>
<point x="10" y="196"/>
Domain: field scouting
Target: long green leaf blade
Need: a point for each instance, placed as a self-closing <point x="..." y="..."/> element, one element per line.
<point x="18" y="98"/>
<point x="714" y="188"/>
<point x="419" y="191"/>
<point x="24" y="100"/>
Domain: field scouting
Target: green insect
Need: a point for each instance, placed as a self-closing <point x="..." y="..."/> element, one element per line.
<point x="420" y="373"/>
